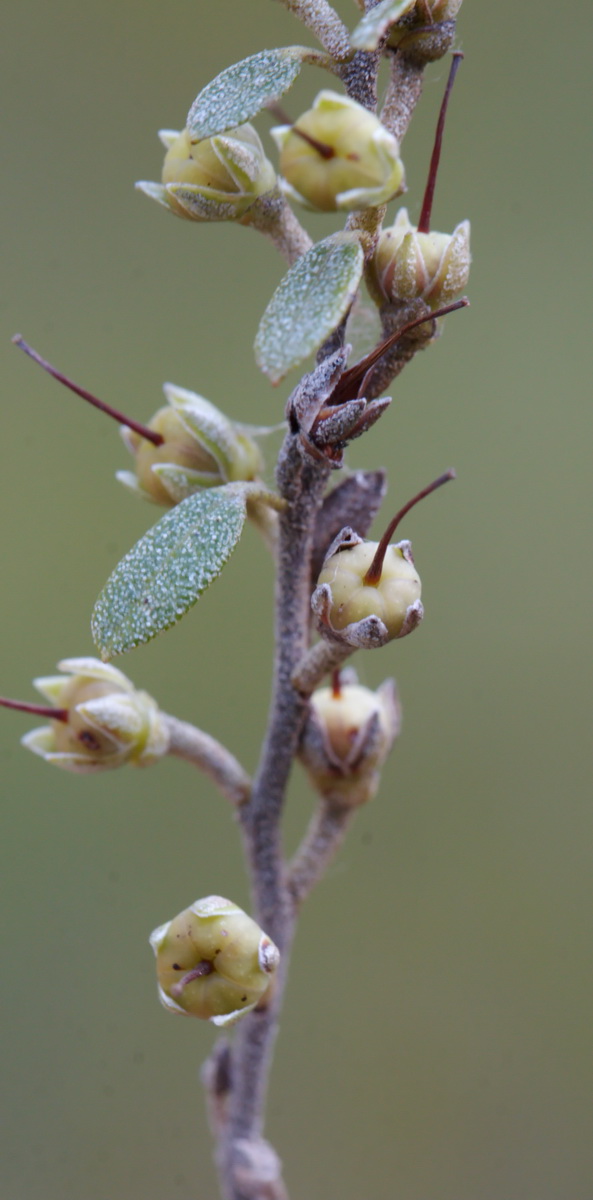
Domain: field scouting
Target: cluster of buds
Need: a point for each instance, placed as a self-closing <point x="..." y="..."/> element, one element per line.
<point x="349" y="733"/>
<point x="368" y="593"/>
<point x="213" y="961"/>
<point x="338" y="156"/>
<point x="98" y="719"/>
<point x="218" y="179"/>
<point x="186" y="446"/>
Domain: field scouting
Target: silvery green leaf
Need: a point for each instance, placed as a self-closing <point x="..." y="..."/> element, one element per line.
<point x="168" y="569"/>
<point x="308" y="304"/>
<point x="240" y="91"/>
<point x="376" y="22"/>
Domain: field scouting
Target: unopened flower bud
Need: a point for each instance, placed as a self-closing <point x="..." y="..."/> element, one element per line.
<point x="217" y="179"/>
<point x="201" y="448"/>
<point x="425" y="33"/>
<point x="338" y="156"/>
<point x="347" y="738"/>
<point x="213" y="961"/>
<point x="433" y="267"/>
<point x="104" y="721"/>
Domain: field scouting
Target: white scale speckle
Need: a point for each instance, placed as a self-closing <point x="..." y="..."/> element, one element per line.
<point x="168" y="569"/>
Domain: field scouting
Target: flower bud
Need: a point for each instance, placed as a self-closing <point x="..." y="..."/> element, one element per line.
<point x="338" y="156"/>
<point x="353" y="600"/>
<point x="433" y="267"/>
<point x="213" y="961"/>
<point x="426" y="32"/>
<point x="108" y="723"/>
<point x="201" y="448"/>
<point x="347" y="738"/>
<point x="217" y="179"/>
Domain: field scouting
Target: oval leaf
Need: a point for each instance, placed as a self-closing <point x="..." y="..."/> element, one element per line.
<point x="168" y="569"/>
<point x="240" y="91"/>
<point x="309" y="303"/>
<point x="376" y="22"/>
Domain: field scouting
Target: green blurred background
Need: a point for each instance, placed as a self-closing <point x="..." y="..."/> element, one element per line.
<point x="436" y="1043"/>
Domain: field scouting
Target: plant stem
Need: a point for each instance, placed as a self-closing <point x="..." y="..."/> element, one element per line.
<point x="273" y="216"/>
<point x="301" y="482"/>
<point x="402" y="95"/>
<point x="324" y="22"/>
<point x="327" y="829"/>
<point x="210" y="756"/>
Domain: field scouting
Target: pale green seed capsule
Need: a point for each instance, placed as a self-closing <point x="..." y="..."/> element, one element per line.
<point x="352" y="600"/>
<point x="213" y="961"/>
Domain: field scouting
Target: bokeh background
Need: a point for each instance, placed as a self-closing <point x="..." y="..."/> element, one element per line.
<point x="436" y="1042"/>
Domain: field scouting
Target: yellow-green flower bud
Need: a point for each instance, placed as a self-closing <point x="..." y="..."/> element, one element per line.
<point x="347" y="738"/>
<point x="213" y="961"/>
<point x="338" y="156"/>
<point x="217" y="179"/>
<point x="200" y="448"/>
<point x="104" y="721"/>
<point x="433" y="267"/>
<point x="390" y="599"/>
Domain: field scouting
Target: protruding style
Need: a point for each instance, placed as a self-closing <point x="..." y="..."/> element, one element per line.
<point x="99" y="720"/>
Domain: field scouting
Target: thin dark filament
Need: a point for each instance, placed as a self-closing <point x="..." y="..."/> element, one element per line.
<point x="348" y="389"/>
<point x="150" y="434"/>
<point x="39" y="710"/>
<point x="373" y="575"/>
<point x="425" y="215"/>
<point x="321" y="147"/>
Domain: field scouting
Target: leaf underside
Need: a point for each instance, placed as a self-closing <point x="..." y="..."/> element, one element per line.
<point x="308" y="304"/>
<point x="163" y="575"/>
<point x="241" y="91"/>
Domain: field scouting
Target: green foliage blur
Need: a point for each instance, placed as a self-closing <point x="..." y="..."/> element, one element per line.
<point x="436" y="1042"/>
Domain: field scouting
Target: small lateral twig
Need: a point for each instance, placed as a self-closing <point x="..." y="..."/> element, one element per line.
<point x="273" y="216"/>
<point x="326" y="832"/>
<point x="402" y="95"/>
<point x="324" y="22"/>
<point x="210" y="756"/>
<point x="323" y="658"/>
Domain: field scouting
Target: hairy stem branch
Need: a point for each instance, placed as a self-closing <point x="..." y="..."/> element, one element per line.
<point x="301" y="482"/>
<point x="327" y="830"/>
<point x="211" y="757"/>
<point x="402" y="95"/>
<point x="324" y="22"/>
<point x="273" y="216"/>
